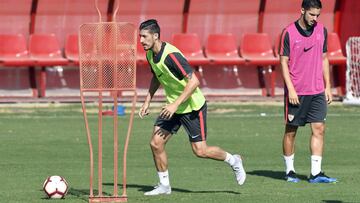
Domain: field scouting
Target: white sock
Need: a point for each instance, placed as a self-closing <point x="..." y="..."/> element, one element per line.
<point x="289" y="163"/>
<point x="229" y="159"/>
<point x="315" y="164"/>
<point x="164" y="177"/>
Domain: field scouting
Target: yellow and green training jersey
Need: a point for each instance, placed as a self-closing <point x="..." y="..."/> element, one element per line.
<point x="170" y="68"/>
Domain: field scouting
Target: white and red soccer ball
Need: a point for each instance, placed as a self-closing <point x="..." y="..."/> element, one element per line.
<point x="55" y="187"/>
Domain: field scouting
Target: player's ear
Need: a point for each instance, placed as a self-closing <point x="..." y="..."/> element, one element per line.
<point x="156" y="35"/>
<point x="302" y="11"/>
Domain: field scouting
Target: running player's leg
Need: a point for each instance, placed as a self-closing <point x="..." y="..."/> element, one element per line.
<point x="195" y="125"/>
<point x="163" y="130"/>
<point x="157" y="145"/>
<point x="202" y="150"/>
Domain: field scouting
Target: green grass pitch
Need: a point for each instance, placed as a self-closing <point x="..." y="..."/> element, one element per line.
<point x="51" y="140"/>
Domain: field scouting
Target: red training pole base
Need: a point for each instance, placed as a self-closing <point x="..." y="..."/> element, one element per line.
<point x="107" y="199"/>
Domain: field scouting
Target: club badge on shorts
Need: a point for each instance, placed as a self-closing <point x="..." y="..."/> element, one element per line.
<point x="290" y="117"/>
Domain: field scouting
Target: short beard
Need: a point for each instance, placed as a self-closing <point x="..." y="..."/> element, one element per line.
<point x="308" y="26"/>
<point x="150" y="48"/>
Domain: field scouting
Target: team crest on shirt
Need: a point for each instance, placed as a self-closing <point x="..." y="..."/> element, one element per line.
<point x="291" y="117"/>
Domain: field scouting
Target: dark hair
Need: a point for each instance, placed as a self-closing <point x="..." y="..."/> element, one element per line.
<point x="150" y="25"/>
<point x="308" y="4"/>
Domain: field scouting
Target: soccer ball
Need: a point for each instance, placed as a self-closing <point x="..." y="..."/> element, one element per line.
<point x="55" y="187"/>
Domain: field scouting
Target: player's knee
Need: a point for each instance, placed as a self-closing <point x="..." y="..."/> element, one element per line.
<point x="155" y="145"/>
<point x="289" y="137"/>
<point x="201" y="153"/>
<point x="318" y="134"/>
<point x="319" y="131"/>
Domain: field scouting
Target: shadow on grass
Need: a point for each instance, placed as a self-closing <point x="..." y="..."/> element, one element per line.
<point x="83" y="194"/>
<point x="144" y="188"/>
<point x="280" y="175"/>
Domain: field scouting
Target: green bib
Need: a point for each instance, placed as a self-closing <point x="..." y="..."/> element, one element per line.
<point x="174" y="87"/>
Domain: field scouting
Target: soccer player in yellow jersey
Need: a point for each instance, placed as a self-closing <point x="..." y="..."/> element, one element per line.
<point x="186" y="106"/>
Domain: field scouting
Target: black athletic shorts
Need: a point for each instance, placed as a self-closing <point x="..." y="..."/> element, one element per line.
<point x="193" y="122"/>
<point x="312" y="108"/>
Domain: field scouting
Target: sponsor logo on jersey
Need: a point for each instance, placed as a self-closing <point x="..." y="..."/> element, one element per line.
<point x="307" y="49"/>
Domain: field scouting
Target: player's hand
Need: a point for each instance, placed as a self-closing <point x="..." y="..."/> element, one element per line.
<point x="293" y="98"/>
<point x="328" y="95"/>
<point x="144" y="110"/>
<point x="168" y="111"/>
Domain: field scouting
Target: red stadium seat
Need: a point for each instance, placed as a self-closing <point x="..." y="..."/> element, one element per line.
<point x="45" y="50"/>
<point x="63" y="17"/>
<point x="15" y="17"/>
<point x="334" y="53"/>
<point x="72" y="48"/>
<point x="279" y="78"/>
<point x="13" y="50"/>
<point x="189" y="44"/>
<point x="257" y="50"/>
<point x="277" y="45"/>
<point x="222" y="49"/>
<point x="219" y="16"/>
<point x="169" y="14"/>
